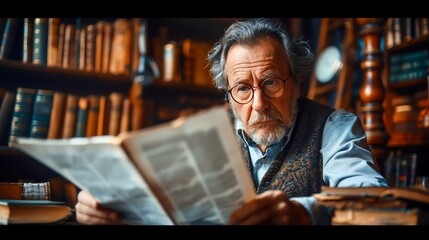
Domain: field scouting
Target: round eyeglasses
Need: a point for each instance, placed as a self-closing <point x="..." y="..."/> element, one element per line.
<point x="272" y="88"/>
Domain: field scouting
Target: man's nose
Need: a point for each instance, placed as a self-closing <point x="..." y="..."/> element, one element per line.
<point x="260" y="101"/>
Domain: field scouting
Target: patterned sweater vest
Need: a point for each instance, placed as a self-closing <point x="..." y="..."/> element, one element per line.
<point x="297" y="171"/>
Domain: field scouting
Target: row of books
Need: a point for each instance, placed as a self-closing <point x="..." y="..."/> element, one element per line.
<point x="399" y="30"/>
<point x="408" y="66"/>
<point x="45" y="114"/>
<point x="118" y="47"/>
<point x="31" y="203"/>
<point x="184" y="62"/>
<point x="400" y="170"/>
<point x="104" y="47"/>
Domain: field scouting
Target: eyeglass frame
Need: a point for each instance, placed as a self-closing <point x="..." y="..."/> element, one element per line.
<point x="259" y="86"/>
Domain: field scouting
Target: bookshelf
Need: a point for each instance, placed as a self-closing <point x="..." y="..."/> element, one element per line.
<point x="408" y="91"/>
<point x="405" y="78"/>
<point x="17" y="74"/>
<point x="161" y="101"/>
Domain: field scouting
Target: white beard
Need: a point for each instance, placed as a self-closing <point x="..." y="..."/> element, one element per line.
<point x="259" y="135"/>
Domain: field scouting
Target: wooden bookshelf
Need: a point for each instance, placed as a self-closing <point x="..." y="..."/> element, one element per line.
<point x="17" y="74"/>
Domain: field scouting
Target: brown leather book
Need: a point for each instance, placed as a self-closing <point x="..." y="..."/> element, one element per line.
<point x="125" y="116"/>
<point x="135" y="32"/>
<point x="121" y="47"/>
<point x="60" y="53"/>
<point x="69" y="34"/>
<point x="82" y="49"/>
<point x="115" y="113"/>
<point x="137" y="106"/>
<point x="57" y="115"/>
<point x="53" y="41"/>
<point x="107" y="43"/>
<point x="70" y="116"/>
<point x="103" y="116"/>
<point x="99" y="45"/>
<point x="90" y="48"/>
<point x="93" y="112"/>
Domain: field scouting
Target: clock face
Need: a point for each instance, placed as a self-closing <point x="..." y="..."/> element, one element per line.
<point x="328" y="64"/>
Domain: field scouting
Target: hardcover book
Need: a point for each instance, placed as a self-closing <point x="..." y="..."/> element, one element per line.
<point x="33" y="212"/>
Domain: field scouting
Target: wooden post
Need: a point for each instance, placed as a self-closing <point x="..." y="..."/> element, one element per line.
<point x="372" y="91"/>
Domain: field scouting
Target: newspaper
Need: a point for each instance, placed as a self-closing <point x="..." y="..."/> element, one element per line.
<point x="188" y="171"/>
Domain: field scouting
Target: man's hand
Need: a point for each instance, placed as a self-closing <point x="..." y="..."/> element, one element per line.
<point x="271" y="207"/>
<point x="89" y="211"/>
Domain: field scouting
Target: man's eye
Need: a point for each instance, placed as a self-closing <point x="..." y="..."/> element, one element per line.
<point x="270" y="82"/>
<point x="243" y="88"/>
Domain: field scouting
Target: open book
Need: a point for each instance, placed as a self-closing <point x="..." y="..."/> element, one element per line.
<point x="188" y="171"/>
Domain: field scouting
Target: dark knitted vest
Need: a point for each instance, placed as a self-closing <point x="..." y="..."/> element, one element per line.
<point x="297" y="171"/>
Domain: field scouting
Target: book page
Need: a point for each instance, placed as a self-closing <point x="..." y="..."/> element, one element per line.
<point x="100" y="166"/>
<point x="197" y="163"/>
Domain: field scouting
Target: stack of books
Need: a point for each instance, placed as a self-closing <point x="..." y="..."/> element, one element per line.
<point x="376" y="205"/>
<point x="30" y="203"/>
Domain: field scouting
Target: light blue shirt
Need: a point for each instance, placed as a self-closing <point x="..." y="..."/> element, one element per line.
<point x="347" y="160"/>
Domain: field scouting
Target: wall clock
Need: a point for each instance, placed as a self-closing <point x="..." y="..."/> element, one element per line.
<point x="328" y="64"/>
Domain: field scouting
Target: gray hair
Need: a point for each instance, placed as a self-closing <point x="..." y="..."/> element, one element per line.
<point x="249" y="32"/>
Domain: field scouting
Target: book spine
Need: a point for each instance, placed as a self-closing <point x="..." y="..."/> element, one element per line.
<point x="2" y="26"/>
<point x="99" y="45"/>
<point x="125" y="117"/>
<point x="70" y="116"/>
<point x="41" y="114"/>
<point x="82" y="49"/>
<point x="93" y="111"/>
<point x="115" y="113"/>
<point x="120" y="59"/>
<point x="27" y="43"/>
<point x="69" y="33"/>
<point x="102" y="120"/>
<point x="57" y="115"/>
<point x="9" y="35"/>
<point x="82" y="117"/>
<point x="53" y="41"/>
<point x="90" y="48"/>
<point x="107" y="44"/>
<point x="40" y="41"/>
<point x="61" y="35"/>
<point x="6" y="111"/>
<point x="413" y="159"/>
<point x="136" y="98"/>
<point x="22" y="112"/>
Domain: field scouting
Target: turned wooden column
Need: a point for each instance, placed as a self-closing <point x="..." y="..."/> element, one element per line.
<point x="372" y="91"/>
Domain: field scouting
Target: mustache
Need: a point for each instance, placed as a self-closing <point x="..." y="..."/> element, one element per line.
<point x="268" y="116"/>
